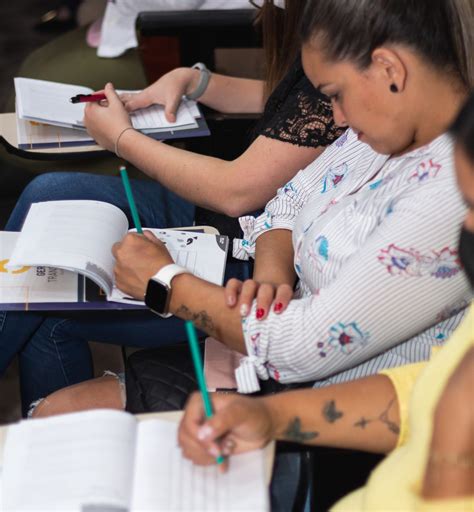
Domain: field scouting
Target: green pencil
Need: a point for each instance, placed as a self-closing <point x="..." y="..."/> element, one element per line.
<point x="196" y="355"/>
<point x="131" y="201"/>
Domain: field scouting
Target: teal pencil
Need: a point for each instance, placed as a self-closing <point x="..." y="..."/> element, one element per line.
<point x="196" y="355"/>
<point x="131" y="201"/>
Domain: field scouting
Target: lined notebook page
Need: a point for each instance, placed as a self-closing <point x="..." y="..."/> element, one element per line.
<point x="69" y="462"/>
<point x="164" y="480"/>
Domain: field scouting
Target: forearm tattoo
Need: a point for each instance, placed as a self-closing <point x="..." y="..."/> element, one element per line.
<point x="330" y="412"/>
<point x="293" y="432"/>
<point x="201" y="319"/>
<point x="382" y="418"/>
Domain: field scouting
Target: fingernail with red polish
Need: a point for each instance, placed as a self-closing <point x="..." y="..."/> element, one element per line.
<point x="259" y="314"/>
<point x="278" y="307"/>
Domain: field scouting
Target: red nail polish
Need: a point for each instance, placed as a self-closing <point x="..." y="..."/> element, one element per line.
<point x="278" y="307"/>
<point x="259" y="314"/>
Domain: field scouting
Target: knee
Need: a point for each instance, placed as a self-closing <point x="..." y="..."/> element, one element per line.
<point x="46" y="187"/>
<point x="101" y="393"/>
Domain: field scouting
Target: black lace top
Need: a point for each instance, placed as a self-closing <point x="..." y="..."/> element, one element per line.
<point x="295" y="112"/>
<point x="298" y="113"/>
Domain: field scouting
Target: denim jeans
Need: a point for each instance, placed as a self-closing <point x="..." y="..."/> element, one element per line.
<point x="53" y="350"/>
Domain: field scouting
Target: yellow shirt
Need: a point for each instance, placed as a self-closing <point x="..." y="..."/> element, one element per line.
<point x="395" y="484"/>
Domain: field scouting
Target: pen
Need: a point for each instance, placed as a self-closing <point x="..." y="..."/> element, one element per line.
<point x="131" y="201"/>
<point x="196" y="355"/>
<point x="84" y="98"/>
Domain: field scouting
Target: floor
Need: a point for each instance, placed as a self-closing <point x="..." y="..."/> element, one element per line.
<point x="17" y="40"/>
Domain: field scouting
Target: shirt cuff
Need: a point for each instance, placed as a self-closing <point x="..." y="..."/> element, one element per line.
<point x="254" y="366"/>
<point x="403" y="378"/>
<point x="253" y="227"/>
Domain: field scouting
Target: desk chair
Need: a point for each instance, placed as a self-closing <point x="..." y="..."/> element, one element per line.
<point x="169" y="39"/>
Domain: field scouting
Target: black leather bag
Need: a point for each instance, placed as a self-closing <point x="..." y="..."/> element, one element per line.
<point x="161" y="379"/>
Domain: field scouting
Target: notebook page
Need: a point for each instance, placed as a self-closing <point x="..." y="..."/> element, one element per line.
<point x="33" y="284"/>
<point x="164" y="480"/>
<point x="204" y="255"/>
<point x="73" y="235"/>
<point x="41" y="100"/>
<point x="153" y="118"/>
<point x="66" y="462"/>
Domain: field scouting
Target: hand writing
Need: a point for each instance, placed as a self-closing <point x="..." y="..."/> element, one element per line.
<point x="138" y="258"/>
<point x="105" y="122"/>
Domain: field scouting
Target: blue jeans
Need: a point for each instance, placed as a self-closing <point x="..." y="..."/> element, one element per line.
<point x="52" y="347"/>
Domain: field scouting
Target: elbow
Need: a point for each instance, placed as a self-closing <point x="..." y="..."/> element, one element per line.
<point x="236" y="203"/>
<point x="234" y="208"/>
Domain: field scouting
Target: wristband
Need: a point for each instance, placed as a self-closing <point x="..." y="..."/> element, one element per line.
<point x="117" y="140"/>
<point x="204" y="77"/>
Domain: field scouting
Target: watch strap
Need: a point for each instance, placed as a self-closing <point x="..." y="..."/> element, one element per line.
<point x="204" y="77"/>
<point x="165" y="274"/>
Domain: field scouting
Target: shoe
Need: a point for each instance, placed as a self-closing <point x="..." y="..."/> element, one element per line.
<point x="57" y="20"/>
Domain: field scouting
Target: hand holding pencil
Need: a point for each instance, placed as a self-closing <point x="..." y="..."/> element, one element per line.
<point x="238" y="424"/>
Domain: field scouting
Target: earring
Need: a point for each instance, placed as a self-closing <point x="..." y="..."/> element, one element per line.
<point x="393" y="88"/>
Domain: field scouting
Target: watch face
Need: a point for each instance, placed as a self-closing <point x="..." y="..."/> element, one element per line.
<point x="156" y="297"/>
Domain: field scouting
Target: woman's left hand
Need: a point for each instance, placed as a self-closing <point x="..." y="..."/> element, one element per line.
<point x="105" y="122"/>
<point x="138" y="258"/>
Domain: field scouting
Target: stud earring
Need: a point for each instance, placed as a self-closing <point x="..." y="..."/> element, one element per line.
<point x="393" y="88"/>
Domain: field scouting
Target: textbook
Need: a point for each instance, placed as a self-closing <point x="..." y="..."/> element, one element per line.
<point x="62" y="257"/>
<point x="105" y="460"/>
<point x="46" y="117"/>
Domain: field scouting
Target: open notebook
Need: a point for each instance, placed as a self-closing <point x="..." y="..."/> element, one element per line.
<point x="104" y="461"/>
<point x="64" y="242"/>
<point x="46" y="117"/>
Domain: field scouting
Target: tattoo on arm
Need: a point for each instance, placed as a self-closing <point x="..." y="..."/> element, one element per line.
<point x="330" y="412"/>
<point x="382" y="418"/>
<point x="201" y="319"/>
<point x="294" y="433"/>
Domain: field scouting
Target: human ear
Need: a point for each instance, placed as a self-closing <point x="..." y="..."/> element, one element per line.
<point x="391" y="67"/>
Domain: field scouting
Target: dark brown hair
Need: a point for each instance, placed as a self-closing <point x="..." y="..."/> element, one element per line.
<point x="280" y="38"/>
<point x="442" y="31"/>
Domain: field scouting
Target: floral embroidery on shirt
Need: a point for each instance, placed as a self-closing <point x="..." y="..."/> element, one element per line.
<point x="274" y="373"/>
<point x="409" y="262"/>
<point x="289" y="187"/>
<point x="342" y="139"/>
<point x="319" y="252"/>
<point x="344" y="338"/>
<point x="347" y="337"/>
<point x="425" y="170"/>
<point x="334" y="177"/>
<point x="331" y="203"/>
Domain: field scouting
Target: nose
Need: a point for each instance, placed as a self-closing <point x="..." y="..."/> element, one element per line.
<point x="339" y="118"/>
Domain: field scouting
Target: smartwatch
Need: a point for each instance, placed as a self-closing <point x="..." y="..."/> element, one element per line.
<point x="158" y="291"/>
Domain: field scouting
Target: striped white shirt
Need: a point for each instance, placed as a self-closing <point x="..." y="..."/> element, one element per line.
<point x="375" y="241"/>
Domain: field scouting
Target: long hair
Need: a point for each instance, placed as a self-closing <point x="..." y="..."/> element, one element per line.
<point x="280" y="38"/>
<point x="442" y="31"/>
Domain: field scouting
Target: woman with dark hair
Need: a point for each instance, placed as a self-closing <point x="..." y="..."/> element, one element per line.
<point x="295" y="126"/>
<point x="370" y="229"/>
<point x="421" y="413"/>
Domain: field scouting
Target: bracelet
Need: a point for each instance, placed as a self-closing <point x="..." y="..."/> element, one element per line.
<point x="118" y="140"/>
<point x="204" y="77"/>
<point x="463" y="460"/>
